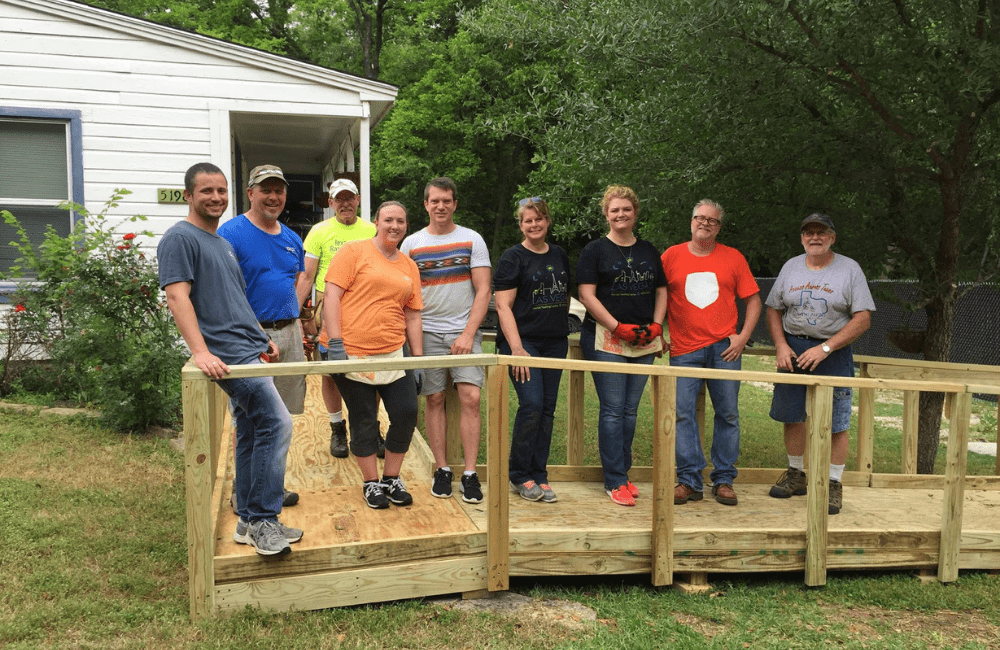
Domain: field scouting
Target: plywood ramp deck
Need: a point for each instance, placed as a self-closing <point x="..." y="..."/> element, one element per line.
<point x="351" y="554"/>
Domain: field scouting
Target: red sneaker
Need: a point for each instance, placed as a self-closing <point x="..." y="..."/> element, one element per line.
<point x="633" y="490"/>
<point x="621" y="496"/>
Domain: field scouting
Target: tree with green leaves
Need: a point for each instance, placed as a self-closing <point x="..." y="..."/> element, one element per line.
<point x="880" y="113"/>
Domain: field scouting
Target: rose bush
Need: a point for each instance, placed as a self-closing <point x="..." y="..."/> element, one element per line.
<point x="89" y="303"/>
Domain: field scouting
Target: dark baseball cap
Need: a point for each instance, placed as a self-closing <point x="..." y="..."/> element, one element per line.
<point x="820" y="218"/>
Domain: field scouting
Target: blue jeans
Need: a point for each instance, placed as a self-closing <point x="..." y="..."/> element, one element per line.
<point x="531" y="436"/>
<point x="263" y="433"/>
<point x="619" y="396"/>
<point x="725" y="394"/>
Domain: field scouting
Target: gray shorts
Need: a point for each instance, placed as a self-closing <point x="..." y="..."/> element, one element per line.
<point x="439" y="345"/>
<point x="291" y="389"/>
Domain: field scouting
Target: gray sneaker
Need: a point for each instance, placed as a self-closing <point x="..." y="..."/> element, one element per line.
<point x="528" y="490"/>
<point x="292" y="535"/>
<point x="548" y="494"/>
<point x="836" y="497"/>
<point x="267" y="537"/>
<point x="791" y="483"/>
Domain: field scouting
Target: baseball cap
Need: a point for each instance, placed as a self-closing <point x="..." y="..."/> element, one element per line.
<point x="263" y="172"/>
<point x="341" y="184"/>
<point x="820" y="218"/>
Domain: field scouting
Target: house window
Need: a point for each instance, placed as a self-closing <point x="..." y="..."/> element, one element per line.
<point x="40" y="170"/>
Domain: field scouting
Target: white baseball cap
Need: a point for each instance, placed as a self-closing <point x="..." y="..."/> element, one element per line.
<point x="341" y="184"/>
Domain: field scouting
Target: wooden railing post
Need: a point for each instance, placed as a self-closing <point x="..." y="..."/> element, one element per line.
<point x="497" y="494"/>
<point x="199" y="471"/>
<point x="664" y="461"/>
<point x="954" y="487"/>
<point x="819" y="403"/>
<point x="911" y="422"/>
<point x="866" y="425"/>
<point x="574" y="410"/>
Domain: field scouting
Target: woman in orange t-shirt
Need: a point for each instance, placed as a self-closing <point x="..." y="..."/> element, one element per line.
<point x="372" y="306"/>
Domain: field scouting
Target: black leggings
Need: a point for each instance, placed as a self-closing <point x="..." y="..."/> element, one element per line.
<point x="400" y="399"/>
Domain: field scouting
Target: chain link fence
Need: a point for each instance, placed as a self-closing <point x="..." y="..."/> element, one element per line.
<point x="975" y="338"/>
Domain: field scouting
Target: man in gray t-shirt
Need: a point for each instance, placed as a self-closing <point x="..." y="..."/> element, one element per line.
<point x="818" y="306"/>
<point x="455" y="283"/>
<point x="205" y="293"/>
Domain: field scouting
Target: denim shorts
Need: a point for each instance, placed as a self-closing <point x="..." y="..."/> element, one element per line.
<point x="789" y="401"/>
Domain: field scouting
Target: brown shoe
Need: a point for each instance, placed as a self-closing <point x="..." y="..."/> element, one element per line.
<point x="683" y="494"/>
<point x="725" y="494"/>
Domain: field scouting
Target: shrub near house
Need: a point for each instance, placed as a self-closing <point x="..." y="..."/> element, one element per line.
<point x="90" y="303"/>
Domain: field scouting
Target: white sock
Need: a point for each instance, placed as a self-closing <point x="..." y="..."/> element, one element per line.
<point x="795" y="462"/>
<point x="446" y="468"/>
<point x="337" y="417"/>
<point x="836" y="471"/>
<point x="468" y="473"/>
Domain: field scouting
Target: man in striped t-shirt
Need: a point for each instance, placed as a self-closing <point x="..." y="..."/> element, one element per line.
<point x="454" y="269"/>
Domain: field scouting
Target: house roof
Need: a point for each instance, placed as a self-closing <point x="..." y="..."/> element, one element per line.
<point x="379" y="95"/>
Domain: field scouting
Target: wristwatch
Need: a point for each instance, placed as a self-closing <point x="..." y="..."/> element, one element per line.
<point x="826" y="348"/>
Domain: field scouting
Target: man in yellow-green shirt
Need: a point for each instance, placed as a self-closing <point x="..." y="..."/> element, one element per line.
<point x="321" y="244"/>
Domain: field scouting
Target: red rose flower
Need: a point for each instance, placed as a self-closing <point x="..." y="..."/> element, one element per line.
<point x="129" y="236"/>
<point x="20" y="308"/>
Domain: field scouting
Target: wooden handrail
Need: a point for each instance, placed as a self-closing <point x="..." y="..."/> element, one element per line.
<point x="204" y="406"/>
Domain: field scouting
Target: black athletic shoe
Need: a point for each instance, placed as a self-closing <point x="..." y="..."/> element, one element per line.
<point x="395" y="491"/>
<point x="374" y="496"/>
<point x="472" y="491"/>
<point x="442" y="483"/>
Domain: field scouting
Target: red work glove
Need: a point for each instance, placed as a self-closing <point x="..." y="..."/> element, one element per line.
<point x="627" y="332"/>
<point x="650" y="333"/>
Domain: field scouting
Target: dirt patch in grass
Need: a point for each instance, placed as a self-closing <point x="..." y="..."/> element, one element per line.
<point x="940" y="629"/>
<point x="533" y="612"/>
<point x="704" y="627"/>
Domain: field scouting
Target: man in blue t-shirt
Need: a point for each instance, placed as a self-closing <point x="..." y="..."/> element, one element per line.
<point x="205" y="294"/>
<point x="272" y="260"/>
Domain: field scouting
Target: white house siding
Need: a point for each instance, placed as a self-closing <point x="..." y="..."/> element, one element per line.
<point x="149" y="98"/>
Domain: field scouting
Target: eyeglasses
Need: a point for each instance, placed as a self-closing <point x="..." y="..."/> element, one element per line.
<point x="709" y="220"/>
<point x="533" y="199"/>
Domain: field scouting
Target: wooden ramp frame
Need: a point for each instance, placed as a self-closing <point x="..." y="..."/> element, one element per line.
<point x="352" y="555"/>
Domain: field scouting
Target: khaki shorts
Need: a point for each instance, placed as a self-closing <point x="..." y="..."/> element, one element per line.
<point x="291" y="389"/>
<point x="439" y="345"/>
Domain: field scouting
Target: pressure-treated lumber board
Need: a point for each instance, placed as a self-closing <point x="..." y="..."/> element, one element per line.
<point x="356" y="586"/>
<point x="820" y="409"/>
<point x="954" y="488"/>
<point x="497" y="496"/>
<point x="664" y="392"/>
<point x="198" y="470"/>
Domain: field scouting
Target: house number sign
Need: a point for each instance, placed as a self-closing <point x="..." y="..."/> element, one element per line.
<point x="170" y="195"/>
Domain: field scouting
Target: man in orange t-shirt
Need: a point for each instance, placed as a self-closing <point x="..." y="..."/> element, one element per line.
<point x="704" y="278"/>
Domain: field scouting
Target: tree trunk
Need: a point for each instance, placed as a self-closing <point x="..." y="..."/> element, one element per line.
<point x="940" y="315"/>
<point x="937" y="346"/>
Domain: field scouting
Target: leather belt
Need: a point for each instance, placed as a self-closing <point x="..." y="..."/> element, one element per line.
<point x="277" y="324"/>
